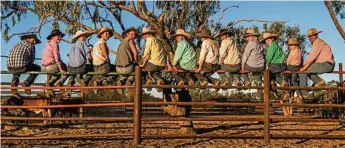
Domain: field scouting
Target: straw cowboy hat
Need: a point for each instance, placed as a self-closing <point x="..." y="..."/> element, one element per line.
<point x="267" y="35"/>
<point x="80" y="33"/>
<point x="147" y="30"/>
<point x="204" y="33"/>
<point x="292" y="41"/>
<point x="55" y="32"/>
<point x="251" y="32"/>
<point x="223" y="32"/>
<point x="181" y="32"/>
<point x="105" y="29"/>
<point x="128" y="30"/>
<point x="312" y="31"/>
<point x="25" y="36"/>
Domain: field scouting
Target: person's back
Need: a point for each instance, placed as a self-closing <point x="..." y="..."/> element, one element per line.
<point x="124" y="57"/>
<point x="256" y="56"/>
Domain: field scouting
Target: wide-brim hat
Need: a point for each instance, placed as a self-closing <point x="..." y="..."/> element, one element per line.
<point x="147" y="30"/>
<point x="78" y="34"/>
<point x="181" y="32"/>
<point x="25" y="36"/>
<point x="292" y="41"/>
<point x="267" y="35"/>
<point x="223" y="32"/>
<point x="312" y="31"/>
<point x="105" y="29"/>
<point x="55" y="32"/>
<point x="251" y="32"/>
<point x="204" y="33"/>
<point x="128" y="30"/>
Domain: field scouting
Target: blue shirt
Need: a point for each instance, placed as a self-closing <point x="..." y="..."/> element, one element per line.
<point x="78" y="54"/>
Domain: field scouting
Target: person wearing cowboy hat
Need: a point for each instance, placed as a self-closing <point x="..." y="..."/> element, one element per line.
<point x="230" y="59"/>
<point x="253" y="58"/>
<point x="184" y="57"/>
<point x="100" y="58"/>
<point x="294" y="62"/>
<point x="275" y="58"/>
<point x="154" y="57"/>
<point x="208" y="58"/>
<point x="126" y="57"/>
<point x="51" y="61"/>
<point x="21" y="59"/>
<point x="320" y="59"/>
<point x="78" y="59"/>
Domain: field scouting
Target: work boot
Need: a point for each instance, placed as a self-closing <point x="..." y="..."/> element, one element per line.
<point x="69" y="84"/>
<point x="226" y="84"/>
<point x="160" y="82"/>
<point x="62" y="91"/>
<point x="149" y="82"/>
<point x="203" y="84"/>
<point x="83" y="84"/>
<point x="238" y="83"/>
<point x="299" y="99"/>
<point x="14" y="91"/>
<point x="191" y="83"/>
<point x="180" y="83"/>
<point x="284" y="84"/>
<point x="119" y="90"/>
<point x="286" y="97"/>
<point x="321" y="84"/>
<point x="95" y="83"/>
<point x="217" y="84"/>
<point x="27" y="91"/>
<point x="247" y="84"/>
<point x="48" y="91"/>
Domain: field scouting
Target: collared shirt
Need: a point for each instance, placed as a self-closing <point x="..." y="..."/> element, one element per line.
<point x="124" y="55"/>
<point x="209" y="52"/>
<point x="185" y="55"/>
<point x="21" y="55"/>
<point x="154" y="50"/>
<point x="294" y="57"/>
<point x="275" y="54"/>
<point x="320" y="52"/>
<point x="78" y="54"/>
<point x="253" y="55"/>
<point x="229" y="51"/>
<point x="51" y="53"/>
<point x="97" y="56"/>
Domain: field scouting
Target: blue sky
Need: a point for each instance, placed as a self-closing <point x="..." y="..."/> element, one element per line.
<point x="304" y="14"/>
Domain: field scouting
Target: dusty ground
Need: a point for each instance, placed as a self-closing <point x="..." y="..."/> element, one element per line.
<point x="158" y="128"/>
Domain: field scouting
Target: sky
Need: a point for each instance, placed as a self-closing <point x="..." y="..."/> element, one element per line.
<point x="310" y="14"/>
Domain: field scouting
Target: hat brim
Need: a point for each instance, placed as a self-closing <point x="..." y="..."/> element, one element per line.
<point x="128" y="30"/>
<point x="23" y="37"/>
<point x="251" y="34"/>
<point x="223" y="33"/>
<point x="185" y="35"/>
<point x="204" y="36"/>
<point x="111" y="32"/>
<point x="314" y="33"/>
<point x="55" y="34"/>
<point x="264" y="39"/>
<point x="292" y="43"/>
<point x="147" y="32"/>
<point x="86" y="34"/>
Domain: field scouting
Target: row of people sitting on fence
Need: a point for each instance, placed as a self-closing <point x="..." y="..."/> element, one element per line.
<point x="255" y="59"/>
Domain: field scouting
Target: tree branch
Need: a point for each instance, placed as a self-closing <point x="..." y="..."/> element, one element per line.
<point x="334" y="18"/>
<point x="223" y="12"/>
<point x="253" y="20"/>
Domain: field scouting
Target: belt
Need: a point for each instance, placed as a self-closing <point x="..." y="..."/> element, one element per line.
<point x="124" y="65"/>
<point x="232" y="64"/>
<point x="49" y="64"/>
<point x="100" y="65"/>
<point x="77" y="66"/>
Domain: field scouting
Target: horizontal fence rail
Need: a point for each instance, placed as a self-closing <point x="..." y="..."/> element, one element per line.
<point x="137" y="105"/>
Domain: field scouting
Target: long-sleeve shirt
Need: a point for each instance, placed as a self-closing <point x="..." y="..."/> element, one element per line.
<point x="185" y="55"/>
<point x="51" y="54"/>
<point x="229" y="51"/>
<point x="320" y="52"/>
<point x="21" y="55"/>
<point x="253" y="55"/>
<point x="294" y="57"/>
<point x="154" y="50"/>
<point x="78" y="54"/>
<point x="275" y="54"/>
<point x="209" y="52"/>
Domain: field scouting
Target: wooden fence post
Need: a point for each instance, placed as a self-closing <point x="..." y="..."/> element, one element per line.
<point x="137" y="107"/>
<point x="267" y="135"/>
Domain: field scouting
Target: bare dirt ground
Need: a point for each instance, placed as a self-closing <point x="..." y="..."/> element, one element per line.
<point x="170" y="127"/>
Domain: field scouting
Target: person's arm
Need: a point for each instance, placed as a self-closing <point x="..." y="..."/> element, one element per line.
<point x="147" y="52"/>
<point x="105" y="51"/>
<point x="134" y="50"/>
<point x="203" y="54"/>
<point x="246" y="54"/>
<point x="314" y="54"/>
<point x="222" y="52"/>
<point x="56" y="54"/>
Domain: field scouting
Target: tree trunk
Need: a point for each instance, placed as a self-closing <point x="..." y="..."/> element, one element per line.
<point x="334" y="18"/>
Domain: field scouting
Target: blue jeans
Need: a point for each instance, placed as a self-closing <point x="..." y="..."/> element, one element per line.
<point x="276" y="70"/>
<point x="18" y="71"/>
<point x="77" y="73"/>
